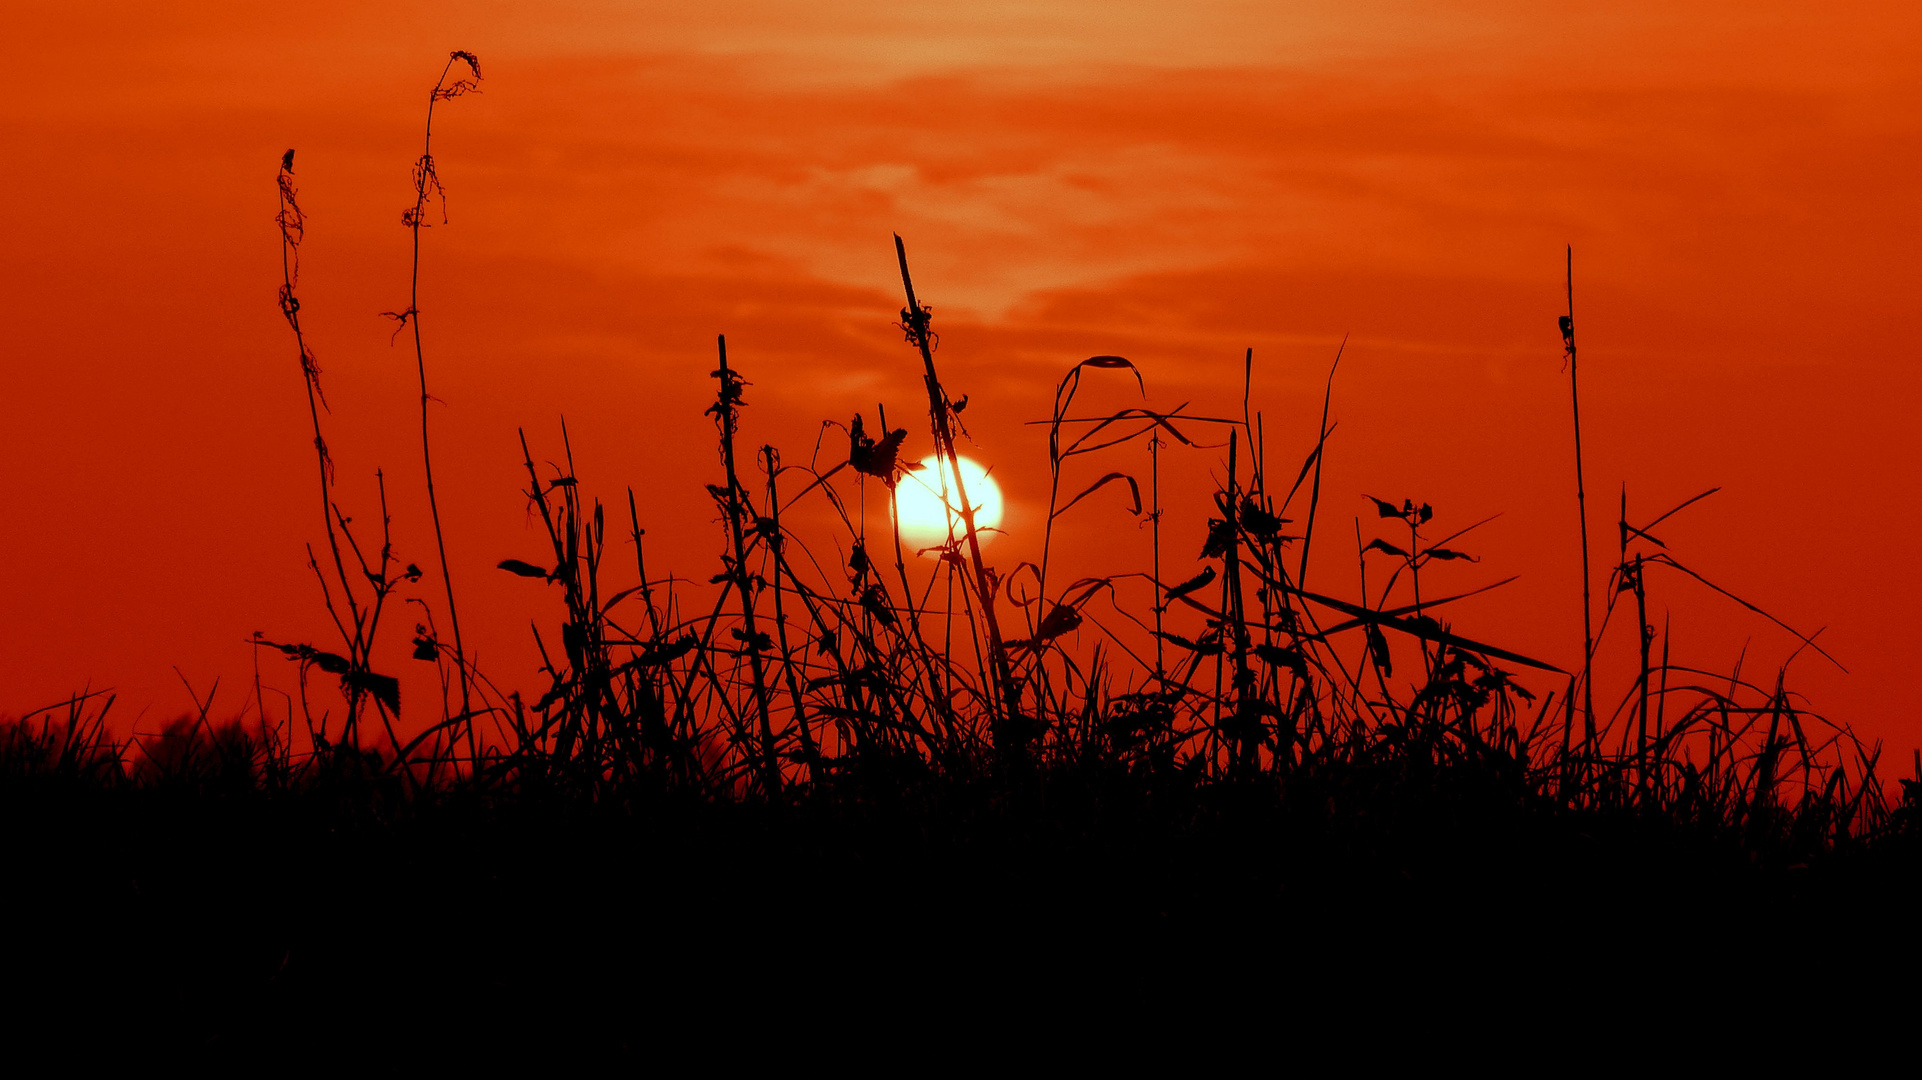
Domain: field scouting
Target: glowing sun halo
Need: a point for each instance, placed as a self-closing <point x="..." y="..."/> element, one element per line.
<point x="924" y="520"/>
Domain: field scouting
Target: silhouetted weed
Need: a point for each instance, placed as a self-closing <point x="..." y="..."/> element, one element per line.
<point x="832" y="754"/>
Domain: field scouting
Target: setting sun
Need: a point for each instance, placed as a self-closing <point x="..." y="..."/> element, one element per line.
<point x="925" y="515"/>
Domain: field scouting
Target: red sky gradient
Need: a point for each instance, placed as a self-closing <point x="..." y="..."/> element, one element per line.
<point x="1170" y="182"/>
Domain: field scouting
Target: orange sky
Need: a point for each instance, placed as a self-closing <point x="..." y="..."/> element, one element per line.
<point x="1168" y="182"/>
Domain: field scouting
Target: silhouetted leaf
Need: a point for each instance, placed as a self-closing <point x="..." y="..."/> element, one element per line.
<point x="1425" y="628"/>
<point x="877" y="458"/>
<point x="759" y="641"/>
<point x="522" y="569"/>
<point x="385" y="688"/>
<point x="1133" y="488"/>
<point x="1384" y="507"/>
<point x="729" y="396"/>
<point x="1060" y="620"/>
<point x="1198" y="581"/>
<point x="1385" y="546"/>
<point x="1112" y="363"/>
<point x="426" y="648"/>
<point x="874" y="600"/>
<point x="1446" y="555"/>
<point x="1281" y="656"/>
<point x="1259" y="522"/>
<point x="1221" y="536"/>
<point x="554" y="693"/>
<point x="1210" y="647"/>
<point x="331" y="663"/>
<point x="1378" y="648"/>
<point x="655" y="656"/>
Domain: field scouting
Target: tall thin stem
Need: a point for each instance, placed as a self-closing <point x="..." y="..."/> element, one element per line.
<point x="916" y="320"/>
<point x="775" y="540"/>
<point x="293" y="228"/>
<point x="425" y="178"/>
<point x="729" y="400"/>
<point x="1581" y="504"/>
<point x="1154" y="521"/>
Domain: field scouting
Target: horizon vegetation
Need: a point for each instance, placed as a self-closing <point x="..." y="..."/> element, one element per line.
<point x="826" y="660"/>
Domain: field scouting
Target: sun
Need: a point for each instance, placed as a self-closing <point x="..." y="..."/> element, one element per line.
<point x="925" y="519"/>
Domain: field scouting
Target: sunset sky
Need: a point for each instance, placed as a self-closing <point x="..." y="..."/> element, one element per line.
<point x="1173" y="183"/>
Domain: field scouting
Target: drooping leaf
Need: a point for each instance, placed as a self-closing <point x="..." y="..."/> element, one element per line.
<point x="426" y="648"/>
<point x="1378" y="648"/>
<point x="1446" y="555"/>
<point x="522" y="569"/>
<point x="1060" y="620"/>
<point x="874" y="600"/>
<point x="1133" y="488"/>
<point x="1198" y="581"/>
<point x="1384" y="507"/>
<point x="1073" y="377"/>
<point x="1386" y="547"/>
<point x="384" y="688"/>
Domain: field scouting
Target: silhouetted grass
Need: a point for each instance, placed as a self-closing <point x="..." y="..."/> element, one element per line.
<point x="815" y="762"/>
